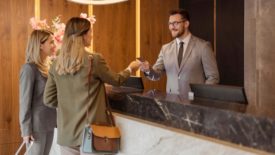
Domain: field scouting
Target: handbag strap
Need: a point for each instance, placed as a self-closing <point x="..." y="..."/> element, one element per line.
<point x="108" y="108"/>
<point x="89" y="83"/>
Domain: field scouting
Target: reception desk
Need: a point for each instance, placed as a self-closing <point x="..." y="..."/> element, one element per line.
<point x="152" y="122"/>
<point x="220" y="122"/>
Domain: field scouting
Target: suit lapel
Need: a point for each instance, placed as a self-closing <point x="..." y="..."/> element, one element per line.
<point x="187" y="52"/>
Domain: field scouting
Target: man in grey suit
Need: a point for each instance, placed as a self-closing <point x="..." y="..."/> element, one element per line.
<point x="186" y="59"/>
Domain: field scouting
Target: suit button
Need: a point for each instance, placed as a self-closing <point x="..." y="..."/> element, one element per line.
<point x="178" y="77"/>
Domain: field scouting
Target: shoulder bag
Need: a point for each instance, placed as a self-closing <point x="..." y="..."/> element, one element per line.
<point x="100" y="138"/>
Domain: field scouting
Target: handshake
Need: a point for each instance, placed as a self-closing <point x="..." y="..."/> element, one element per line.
<point x="141" y="64"/>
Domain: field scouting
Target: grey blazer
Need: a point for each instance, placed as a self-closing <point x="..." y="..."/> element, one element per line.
<point x="198" y="66"/>
<point x="34" y="116"/>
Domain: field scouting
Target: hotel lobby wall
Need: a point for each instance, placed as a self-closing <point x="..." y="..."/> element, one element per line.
<point x="14" y="30"/>
<point x="114" y="33"/>
<point x="118" y="32"/>
<point x="53" y="8"/>
<point x="259" y="55"/>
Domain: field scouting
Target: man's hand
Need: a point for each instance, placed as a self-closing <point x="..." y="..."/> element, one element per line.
<point x="145" y="66"/>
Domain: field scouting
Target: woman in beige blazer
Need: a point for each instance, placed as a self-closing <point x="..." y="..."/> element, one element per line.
<point x="37" y="121"/>
<point x="67" y="87"/>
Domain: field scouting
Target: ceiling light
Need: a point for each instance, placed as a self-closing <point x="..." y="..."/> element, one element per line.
<point x="96" y="2"/>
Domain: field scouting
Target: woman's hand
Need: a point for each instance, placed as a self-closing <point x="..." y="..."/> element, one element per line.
<point x="28" y="139"/>
<point x="134" y="65"/>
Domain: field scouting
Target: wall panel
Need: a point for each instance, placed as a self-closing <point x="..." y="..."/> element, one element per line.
<point x="52" y="8"/>
<point x="259" y="56"/>
<point x="114" y="33"/>
<point x="230" y="41"/>
<point x="201" y="18"/>
<point x="14" y="32"/>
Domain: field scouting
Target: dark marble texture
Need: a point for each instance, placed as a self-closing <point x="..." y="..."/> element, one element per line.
<point x="222" y="120"/>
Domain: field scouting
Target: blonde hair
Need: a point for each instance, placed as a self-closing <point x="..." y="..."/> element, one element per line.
<point x="37" y="38"/>
<point x="70" y="58"/>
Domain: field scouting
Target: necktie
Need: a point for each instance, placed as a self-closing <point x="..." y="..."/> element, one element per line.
<point x="180" y="53"/>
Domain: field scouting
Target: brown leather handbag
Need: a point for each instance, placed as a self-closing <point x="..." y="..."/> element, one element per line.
<point x="101" y="139"/>
<point x="98" y="138"/>
<point x="105" y="139"/>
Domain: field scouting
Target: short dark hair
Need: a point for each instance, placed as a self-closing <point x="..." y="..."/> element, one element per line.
<point x="184" y="13"/>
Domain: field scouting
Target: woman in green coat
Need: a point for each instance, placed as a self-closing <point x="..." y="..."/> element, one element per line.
<point x="67" y="86"/>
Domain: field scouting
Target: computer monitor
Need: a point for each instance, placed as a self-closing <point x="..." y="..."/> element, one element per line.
<point x="134" y="82"/>
<point x="219" y="92"/>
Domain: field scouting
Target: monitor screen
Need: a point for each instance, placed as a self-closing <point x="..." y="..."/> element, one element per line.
<point x="134" y="82"/>
<point x="219" y="92"/>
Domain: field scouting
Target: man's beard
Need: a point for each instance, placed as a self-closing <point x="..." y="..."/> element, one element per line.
<point x="178" y="34"/>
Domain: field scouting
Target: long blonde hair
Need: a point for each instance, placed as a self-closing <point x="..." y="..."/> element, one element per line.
<point x="70" y="58"/>
<point x="37" y="38"/>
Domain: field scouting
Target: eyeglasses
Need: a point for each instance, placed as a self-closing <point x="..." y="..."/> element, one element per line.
<point x="175" y="23"/>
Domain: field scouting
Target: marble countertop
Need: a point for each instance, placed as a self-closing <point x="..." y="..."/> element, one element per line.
<point x="228" y="121"/>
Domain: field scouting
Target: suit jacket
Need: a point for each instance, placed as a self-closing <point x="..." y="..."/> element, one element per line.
<point x="198" y="66"/>
<point x="34" y="115"/>
<point x="69" y="93"/>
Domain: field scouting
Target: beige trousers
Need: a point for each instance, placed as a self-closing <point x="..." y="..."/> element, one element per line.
<point x="72" y="151"/>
